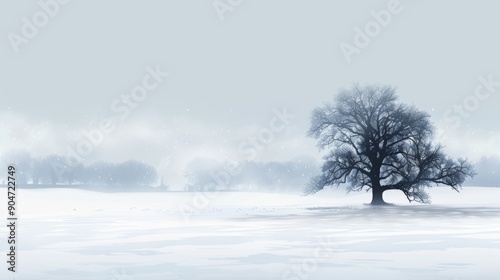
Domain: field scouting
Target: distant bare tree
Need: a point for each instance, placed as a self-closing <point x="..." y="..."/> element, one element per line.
<point x="54" y="168"/>
<point x="378" y="143"/>
<point x="133" y="173"/>
<point x="200" y="174"/>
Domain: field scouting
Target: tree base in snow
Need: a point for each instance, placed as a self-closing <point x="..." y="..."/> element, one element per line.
<point x="379" y="203"/>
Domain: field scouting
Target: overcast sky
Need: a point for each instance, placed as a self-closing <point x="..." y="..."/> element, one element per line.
<point x="232" y="65"/>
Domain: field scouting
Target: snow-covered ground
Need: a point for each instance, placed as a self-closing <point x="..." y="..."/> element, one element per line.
<point x="74" y="234"/>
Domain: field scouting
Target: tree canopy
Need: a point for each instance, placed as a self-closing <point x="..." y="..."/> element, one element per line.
<point x="376" y="143"/>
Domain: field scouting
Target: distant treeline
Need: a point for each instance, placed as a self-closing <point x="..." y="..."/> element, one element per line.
<point x="202" y="174"/>
<point x="206" y="174"/>
<point x="488" y="172"/>
<point x="53" y="170"/>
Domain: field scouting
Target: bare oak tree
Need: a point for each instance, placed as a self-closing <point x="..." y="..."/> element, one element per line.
<point x="377" y="143"/>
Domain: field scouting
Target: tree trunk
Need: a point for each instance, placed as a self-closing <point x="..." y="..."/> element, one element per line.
<point x="377" y="196"/>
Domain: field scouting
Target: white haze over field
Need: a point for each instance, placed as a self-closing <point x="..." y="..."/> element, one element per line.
<point x="74" y="234"/>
